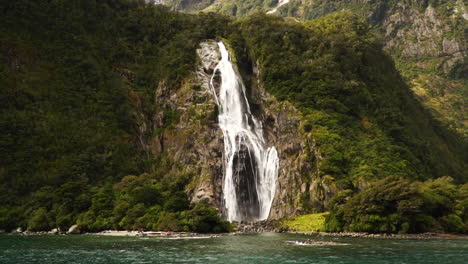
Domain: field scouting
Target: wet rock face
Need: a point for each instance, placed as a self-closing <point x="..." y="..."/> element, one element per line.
<point x="206" y="141"/>
<point x="193" y="140"/>
<point x="285" y="134"/>
<point x="299" y="173"/>
<point x="244" y="176"/>
<point x="209" y="56"/>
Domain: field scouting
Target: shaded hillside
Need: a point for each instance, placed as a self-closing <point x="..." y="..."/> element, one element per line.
<point x="75" y="78"/>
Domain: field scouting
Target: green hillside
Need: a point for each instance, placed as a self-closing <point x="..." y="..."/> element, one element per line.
<point x="70" y="74"/>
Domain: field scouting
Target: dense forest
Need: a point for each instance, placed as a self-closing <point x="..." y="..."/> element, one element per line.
<point x="366" y="123"/>
<point x="69" y="141"/>
<point x="71" y="73"/>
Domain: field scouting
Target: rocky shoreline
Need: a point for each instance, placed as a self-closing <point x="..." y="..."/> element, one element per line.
<point x="242" y="228"/>
<point x="74" y="231"/>
<point x="385" y="236"/>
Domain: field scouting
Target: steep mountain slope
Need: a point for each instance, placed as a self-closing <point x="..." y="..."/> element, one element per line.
<point x="427" y="40"/>
<point x="107" y="119"/>
<point x="78" y="82"/>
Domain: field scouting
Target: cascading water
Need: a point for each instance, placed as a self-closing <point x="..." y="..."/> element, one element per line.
<point x="280" y="3"/>
<point x="250" y="169"/>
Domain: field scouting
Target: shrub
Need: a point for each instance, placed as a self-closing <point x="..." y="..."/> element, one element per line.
<point x="176" y="202"/>
<point x="452" y="223"/>
<point x="39" y="220"/>
<point x="147" y="195"/>
<point x="205" y="219"/>
<point x="396" y="205"/>
<point x="169" y="222"/>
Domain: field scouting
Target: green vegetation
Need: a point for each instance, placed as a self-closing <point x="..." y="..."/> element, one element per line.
<point x="73" y="76"/>
<point x="230" y="8"/>
<point x="139" y="203"/>
<point x="396" y="205"/>
<point x="427" y="61"/>
<point x="76" y="76"/>
<point x="306" y="223"/>
<point x="365" y="122"/>
<point x="355" y="105"/>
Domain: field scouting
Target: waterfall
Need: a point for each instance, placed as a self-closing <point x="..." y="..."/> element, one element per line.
<point x="250" y="169"/>
<point x="280" y="3"/>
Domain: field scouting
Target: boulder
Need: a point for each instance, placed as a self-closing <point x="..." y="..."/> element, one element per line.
<point x="54" y="231"/>
<point x="18" y="230"/>
<point x="74" y="229"/>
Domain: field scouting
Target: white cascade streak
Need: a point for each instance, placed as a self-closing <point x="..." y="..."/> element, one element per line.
<point x="242" y="130"/>
<point x="280" y="3"/>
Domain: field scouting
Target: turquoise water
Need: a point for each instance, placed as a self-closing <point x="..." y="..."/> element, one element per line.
<point x="257" y="248"/>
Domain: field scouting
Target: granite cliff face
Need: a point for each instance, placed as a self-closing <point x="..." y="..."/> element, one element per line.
<point x="419" y="33"/>
<point x="193" y="139"/>
<point x="300" y="183"/>
<point x="429" y="46"/>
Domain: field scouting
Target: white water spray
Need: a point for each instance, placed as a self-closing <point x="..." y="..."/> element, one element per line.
<point x="250" y="169"/>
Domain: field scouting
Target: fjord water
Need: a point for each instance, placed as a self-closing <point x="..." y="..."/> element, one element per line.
<point x="258" y="248"/>
<point x="250" y="168"/>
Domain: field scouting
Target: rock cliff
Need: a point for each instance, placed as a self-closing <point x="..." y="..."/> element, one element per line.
<point x="196" y="141"/>
<point x="193" y="139"/>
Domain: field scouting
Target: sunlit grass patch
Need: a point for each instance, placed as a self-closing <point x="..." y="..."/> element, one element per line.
<point x="309" y="222"/>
